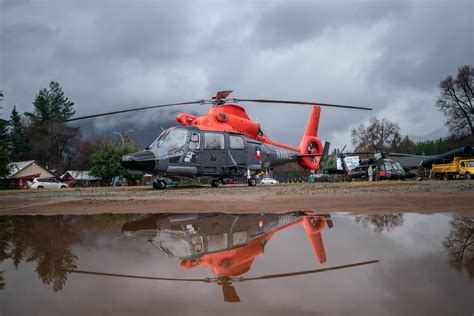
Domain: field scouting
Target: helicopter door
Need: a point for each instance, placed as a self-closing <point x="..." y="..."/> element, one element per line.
<point x="236" y="154"/>
<point x="194" y="146"/>
<point x="213" y="155"/>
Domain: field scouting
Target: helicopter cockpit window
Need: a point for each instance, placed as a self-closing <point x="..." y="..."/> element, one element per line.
<point x="239" y="238"/>
<point x="176" y="138"/>
<point x="388" y="166"/>
<point x="174" y="242"/>
<point x="214" y="141"/>
<point x="158" y="139"/>
<point x="217" y="242"/>
<point x="236" y="142"/>
<point x="194" y="141"/>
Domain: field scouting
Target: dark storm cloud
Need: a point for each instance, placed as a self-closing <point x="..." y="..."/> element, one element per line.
<point x="111" y="55"/>
<point x="429" y="44"/>
<point x="288" y="23"/>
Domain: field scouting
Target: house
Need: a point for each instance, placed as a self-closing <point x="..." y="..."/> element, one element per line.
<point x="80" y="179"/>
<point x="23" y="171"/>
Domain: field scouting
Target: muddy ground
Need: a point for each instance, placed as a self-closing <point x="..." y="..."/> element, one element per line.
<point x="356" y="197"/>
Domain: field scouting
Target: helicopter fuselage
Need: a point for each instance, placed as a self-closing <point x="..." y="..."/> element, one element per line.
<point x="190" y="151"/>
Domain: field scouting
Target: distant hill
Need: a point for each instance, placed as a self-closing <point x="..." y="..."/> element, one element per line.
<point x="439" y="133"/>
<point x="144" y="131"/>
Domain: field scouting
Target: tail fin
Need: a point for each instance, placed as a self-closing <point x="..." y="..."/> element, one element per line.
<point x="310" y="143"/>
<point x="314" y="236"/>
<point x="313" y="123"/>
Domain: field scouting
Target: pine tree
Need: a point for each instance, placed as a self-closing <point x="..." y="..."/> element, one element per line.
<point x="51" y="105"/>
<point x="51" y="141"/>
<point x="19" y="146"/>
<point x="4" y="159"/>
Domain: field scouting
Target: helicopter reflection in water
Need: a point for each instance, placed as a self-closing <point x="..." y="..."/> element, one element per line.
<point x="226" y="244"/>
<point x="59" y="245"/>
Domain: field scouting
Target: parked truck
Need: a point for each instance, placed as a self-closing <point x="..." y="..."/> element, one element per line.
<point x="460" y="167"/>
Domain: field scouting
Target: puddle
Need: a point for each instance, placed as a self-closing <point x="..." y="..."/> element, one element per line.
<point x="212" y="263"/>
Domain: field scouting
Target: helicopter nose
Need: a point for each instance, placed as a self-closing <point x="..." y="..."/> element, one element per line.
<point x="143" y="161"/>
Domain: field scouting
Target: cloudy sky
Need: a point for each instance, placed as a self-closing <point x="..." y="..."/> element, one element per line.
<point x="110" y="55"/>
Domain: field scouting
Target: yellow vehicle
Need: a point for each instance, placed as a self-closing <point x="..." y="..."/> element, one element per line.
<point x="459" y="167"/>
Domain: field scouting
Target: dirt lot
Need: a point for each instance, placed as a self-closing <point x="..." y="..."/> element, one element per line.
<point x="358" y="197"/>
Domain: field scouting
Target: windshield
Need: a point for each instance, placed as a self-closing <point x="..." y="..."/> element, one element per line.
<point x="160" y="137"/>
<point x="470" y="164"/>
<point x="175" y="138"/>
<point x="174" y="243"/>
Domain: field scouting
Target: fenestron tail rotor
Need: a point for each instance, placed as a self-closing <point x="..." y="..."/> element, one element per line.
<point x="230" y="294"/>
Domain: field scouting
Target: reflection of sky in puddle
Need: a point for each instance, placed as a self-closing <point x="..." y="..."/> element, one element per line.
<point x="413" y="276"/>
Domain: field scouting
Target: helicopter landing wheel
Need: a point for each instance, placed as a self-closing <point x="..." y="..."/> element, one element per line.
<point x="252" y="182"/>
<point x="215" y="183"/>
<point x="159" y="184"/>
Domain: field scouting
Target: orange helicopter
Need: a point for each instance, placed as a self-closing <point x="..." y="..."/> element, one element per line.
<point x="223" y="143"/>
<point x="227" y="244"/>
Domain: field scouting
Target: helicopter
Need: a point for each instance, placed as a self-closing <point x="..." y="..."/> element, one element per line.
<point x="223" y="143"/>
<point x="227" y="244"/>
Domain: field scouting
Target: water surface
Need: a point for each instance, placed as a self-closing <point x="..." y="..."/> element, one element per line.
<point x="425" y="264"/>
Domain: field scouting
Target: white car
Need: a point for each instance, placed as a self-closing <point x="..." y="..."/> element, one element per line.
<point x="269" y="181"/>
<point x="46" y="183"/>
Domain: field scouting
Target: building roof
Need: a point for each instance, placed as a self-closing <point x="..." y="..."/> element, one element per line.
<point x="80" y="175"/>
<point x="27" y="169"/>
<point x="16" y="167"/>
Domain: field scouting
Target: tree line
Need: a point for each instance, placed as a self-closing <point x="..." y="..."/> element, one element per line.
<point x="41" y="135"/>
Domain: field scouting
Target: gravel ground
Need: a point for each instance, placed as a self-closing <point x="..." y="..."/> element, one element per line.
<point x="356" y="197"/>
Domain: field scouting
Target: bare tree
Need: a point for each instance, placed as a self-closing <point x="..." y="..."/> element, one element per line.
<point x="85" y="148"/>
<point x="381" y="222"/>
<point x="457" y="101"/>
<point x="377" y="136"/>
<point x="460" y="244"/>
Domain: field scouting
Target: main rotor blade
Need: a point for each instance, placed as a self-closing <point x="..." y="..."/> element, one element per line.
<point x="132" y="110"/>
<point x="284" y="275"/>
<point x="304" y="103"/>
<point x="128" y="276"/>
